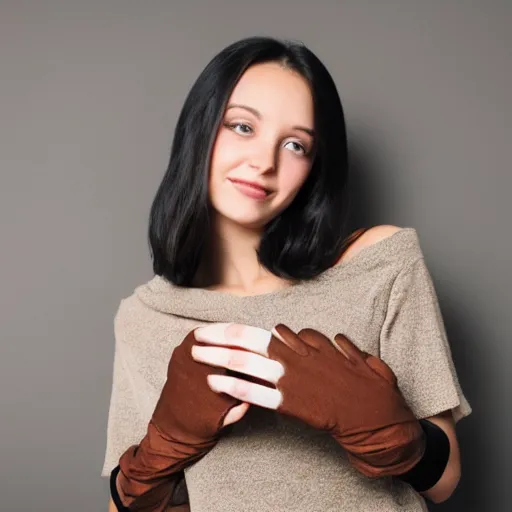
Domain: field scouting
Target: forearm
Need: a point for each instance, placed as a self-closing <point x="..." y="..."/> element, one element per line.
<point x="169" y="495"/>
<point x="449" y="480"/>
<point x="150" y="475"/>
<point x="186" y="424"/>
<point x="170" y="508"/>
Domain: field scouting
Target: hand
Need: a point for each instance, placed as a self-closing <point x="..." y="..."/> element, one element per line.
<point x="187" y="406"/>
<point x="186" y="424"/>
<point x="242" y="350"/>
<point x="331" y="386"/>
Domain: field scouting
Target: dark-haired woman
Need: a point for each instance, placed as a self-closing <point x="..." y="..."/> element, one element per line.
<point x="276" y="362"/>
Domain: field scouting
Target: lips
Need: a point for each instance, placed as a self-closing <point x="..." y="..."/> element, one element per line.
<point x="252" y="184"/>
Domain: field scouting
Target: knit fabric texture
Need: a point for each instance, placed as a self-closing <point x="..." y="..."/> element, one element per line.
<point x="382" y="299"/>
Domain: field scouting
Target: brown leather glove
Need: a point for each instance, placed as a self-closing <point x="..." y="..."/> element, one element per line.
<point x="185" y="425"/>
<point x="350" y="394"/>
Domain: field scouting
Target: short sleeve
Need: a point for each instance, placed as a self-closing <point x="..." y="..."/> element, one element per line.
<point x="414" y="344"/>
<point x="125" y="426"/>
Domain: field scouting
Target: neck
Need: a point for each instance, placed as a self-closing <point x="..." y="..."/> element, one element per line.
<point x="231" y="260"/>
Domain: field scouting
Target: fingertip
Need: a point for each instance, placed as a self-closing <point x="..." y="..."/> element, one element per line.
<point x="380" y="367"/>
<point x="236" y="414"/>
<point x="275" y="332"/>
<point x="348" y="348"/>
<point x="214" y="381"/>
<point x="211" y="333"/>
<point x="339" y="339"/>
<point x="338" y="344"/>
<point x="290" y="339"/>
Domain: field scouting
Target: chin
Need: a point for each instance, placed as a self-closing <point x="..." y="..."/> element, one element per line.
<point x="244" y="213"/>
<point x="247" y="220"/>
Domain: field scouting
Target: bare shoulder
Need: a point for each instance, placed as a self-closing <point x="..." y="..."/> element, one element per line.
<point x="369" y="237"/>
<point x="378" y="233"/>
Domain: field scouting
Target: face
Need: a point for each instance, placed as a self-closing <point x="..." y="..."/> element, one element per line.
<point x="263" y="151"/>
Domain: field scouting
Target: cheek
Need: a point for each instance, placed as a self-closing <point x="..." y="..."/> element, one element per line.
<point x="224" y="155"/>
<point x="293" y="174"/>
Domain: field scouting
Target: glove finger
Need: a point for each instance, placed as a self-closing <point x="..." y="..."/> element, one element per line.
<point x="348" y="349"/>
<point x="314" y="338"/>
<point x="379" y="366"/>
<point x="290" y="339"/>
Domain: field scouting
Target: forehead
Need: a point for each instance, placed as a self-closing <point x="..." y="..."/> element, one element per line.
<point x="275" y="90"/>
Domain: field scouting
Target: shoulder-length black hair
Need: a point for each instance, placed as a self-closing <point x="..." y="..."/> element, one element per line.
<point x="303" y="240"/>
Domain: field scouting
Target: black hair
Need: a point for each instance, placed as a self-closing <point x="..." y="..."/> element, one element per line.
<point x="304" y="239"/>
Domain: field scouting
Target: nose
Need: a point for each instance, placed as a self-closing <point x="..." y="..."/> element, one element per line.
<point x="263" y="157"/>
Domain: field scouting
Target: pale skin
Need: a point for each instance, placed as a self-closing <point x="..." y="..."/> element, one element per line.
<point x="266" y="137"/>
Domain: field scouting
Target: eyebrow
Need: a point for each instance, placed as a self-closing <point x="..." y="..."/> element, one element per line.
<point x="309" y="131"/>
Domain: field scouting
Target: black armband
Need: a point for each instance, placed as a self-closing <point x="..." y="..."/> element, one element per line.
<point x="179" y="495"/>
<point x="115" y="493"/>
<point x="427" y="472"/>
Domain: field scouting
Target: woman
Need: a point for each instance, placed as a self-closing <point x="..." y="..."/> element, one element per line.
<point x="273" y="361"/>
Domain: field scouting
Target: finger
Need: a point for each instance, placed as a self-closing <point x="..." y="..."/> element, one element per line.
<point x="314" y="338"/>
<point x="236" y="414"/>
<point x="239" y="361"/>
<point x="290" y="339"/>
<point x="379" y="366"/>
<point x="348" y="349"/>
<point x="247" y="337"/>
<point x="246" y="391"/>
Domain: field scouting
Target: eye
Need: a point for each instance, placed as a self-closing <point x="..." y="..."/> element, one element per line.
<point x="241" y="128"/>
<point x="296" y="147"/>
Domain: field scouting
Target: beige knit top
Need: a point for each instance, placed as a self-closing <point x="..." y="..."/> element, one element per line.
<point x="382" y="299"/>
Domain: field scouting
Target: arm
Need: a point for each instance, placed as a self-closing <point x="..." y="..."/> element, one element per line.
<point x="123" y="404"/>
<point x="177" y="508"/>
<point x="170" y="496"/>
<point x="445" y="487"/>
<point x="186" y="423"/>
<point x="185" y="507"/>
<point x="366" y="412"/>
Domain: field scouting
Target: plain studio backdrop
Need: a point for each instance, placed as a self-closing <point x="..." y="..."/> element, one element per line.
<point x="89" y="95"/>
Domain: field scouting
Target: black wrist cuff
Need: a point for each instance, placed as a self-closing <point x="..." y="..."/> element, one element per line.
<point x="431" y="466"/>
<point x="115" y="493"/>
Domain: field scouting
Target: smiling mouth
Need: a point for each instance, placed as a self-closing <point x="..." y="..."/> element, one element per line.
<point x="248" y="184"/>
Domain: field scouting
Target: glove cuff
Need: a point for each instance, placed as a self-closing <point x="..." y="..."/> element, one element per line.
<point x="428" y="471"/>
<point x="114" y="492"/>
<point x="150" y="471"/>
<point x="388" y="451"/>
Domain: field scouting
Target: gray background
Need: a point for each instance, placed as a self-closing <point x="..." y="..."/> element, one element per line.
<point x="90" y="92"/>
